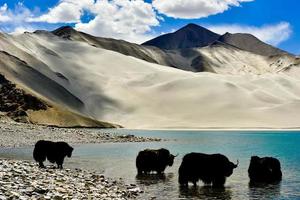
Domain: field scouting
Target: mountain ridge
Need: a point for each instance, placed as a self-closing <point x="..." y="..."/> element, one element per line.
<point x="184" y="38"/>
<point x="190" y="59"/>
<point x="250" y="43"/>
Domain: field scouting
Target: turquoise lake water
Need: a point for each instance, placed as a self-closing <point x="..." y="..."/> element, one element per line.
<point x="118" y="161"/>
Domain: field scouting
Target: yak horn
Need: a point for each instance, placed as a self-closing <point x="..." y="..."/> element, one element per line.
<point x="237" y="164"/>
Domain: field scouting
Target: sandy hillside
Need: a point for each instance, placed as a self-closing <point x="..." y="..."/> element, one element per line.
<point x="110" y="86"/>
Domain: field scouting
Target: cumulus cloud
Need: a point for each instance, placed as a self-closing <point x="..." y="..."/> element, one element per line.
<point x="131" y="20"/>
<point x="66" y="11"/>
<point x="3" y="14"/>
<point x="273" y="34"/>
<point x="194" y="9"/>
<point x="122" y="19"/>
<point x="14" y="19"/>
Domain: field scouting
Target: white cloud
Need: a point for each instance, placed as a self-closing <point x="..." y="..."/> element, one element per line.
<point x="121" y="19"/>
<point x="22" y="29"/>
<point x="13" y="20"/>
<point x="194" y="9"/>
<point x="273" y="34"/>
<point x="3" y="14"/>
<point x="66" y="11"/>
<point x="131" y="20"/>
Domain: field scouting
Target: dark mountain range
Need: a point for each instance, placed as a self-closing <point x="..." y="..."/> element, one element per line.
<point x="189" y="36"/>
<point x="195" y="36"/>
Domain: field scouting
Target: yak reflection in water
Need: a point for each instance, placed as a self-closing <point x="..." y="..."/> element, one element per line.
<point x="205" y="192"/>
<point x="264" y="191"/>
<point x="151" y="179"/>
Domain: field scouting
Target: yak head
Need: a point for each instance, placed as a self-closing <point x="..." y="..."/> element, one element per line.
<point x="69" y="151"/>
<point x="171" y="159"/>
<point x="228" y="168"/>
<point x="166" y="156"/>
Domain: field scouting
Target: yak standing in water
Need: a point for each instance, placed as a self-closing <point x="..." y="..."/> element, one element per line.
<point x="264" y="170"/>
<point x="150" y="160"/>
<point x="55" y="152"/>
<point x="211" y="169"/>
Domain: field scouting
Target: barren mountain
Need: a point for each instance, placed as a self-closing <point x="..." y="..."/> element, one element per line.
<point x="189" y="36"/>
<point x="191" y="59"/>
<point x="80" y="75"/>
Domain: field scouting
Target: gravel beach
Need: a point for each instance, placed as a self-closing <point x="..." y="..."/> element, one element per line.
<point x="24" y="180"/>
<point x="13" y="134"/>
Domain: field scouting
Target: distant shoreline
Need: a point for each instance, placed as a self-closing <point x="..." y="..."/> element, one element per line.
<point x="13" y="135"/>
<point x="213" y="129"/>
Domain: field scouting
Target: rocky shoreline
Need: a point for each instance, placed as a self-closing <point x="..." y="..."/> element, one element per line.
<point x="24" y="180"/>
<point x="13" y="134"/>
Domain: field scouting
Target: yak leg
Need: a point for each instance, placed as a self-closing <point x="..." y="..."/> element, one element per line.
<point x="41" y="164"/>
<point x="59" y="163"/>
<point x="219" y="182"/>
<point x="140" y="171"/>
<point x="194" y="183"/>
<point x="183" y="181"/>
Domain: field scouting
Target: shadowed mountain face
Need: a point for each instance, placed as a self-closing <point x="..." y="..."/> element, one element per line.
<point x="189" y="36"/>
<point x="250" y="43"/>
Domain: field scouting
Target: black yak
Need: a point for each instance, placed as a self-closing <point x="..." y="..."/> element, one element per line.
<point x="264" y="170"/>
<point x="150" y="160"/>
<point x="55" y="152"/>
<point x="211" y="169"/>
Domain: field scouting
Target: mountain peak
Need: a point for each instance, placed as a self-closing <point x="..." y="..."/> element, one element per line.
<point x="191" y="25"/>
<point x="190" y="36"/>
<point x="64" y="28"/>
<point x="64" y="31"/>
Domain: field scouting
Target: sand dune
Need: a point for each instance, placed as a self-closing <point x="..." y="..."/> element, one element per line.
<point x="245" y="90"/>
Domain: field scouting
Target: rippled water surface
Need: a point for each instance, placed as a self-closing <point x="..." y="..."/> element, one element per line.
<point x="118" y="161"/>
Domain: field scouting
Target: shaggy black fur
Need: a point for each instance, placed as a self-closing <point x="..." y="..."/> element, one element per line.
<point x="264" y="170"/>
<point x="150" y="160"/>
<point x="55" y="152"/>
<point x="211" y="169"/>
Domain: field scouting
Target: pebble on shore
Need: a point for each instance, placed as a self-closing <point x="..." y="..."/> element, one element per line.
<point x="24" y="180"/>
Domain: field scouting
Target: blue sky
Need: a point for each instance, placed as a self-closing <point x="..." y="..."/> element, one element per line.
<point x="273" y="21"/>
